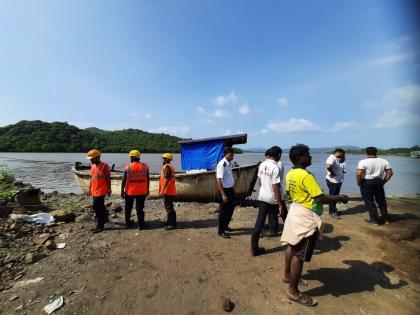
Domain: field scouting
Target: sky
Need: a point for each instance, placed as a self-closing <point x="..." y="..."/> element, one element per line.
<point x="324" y="73"/>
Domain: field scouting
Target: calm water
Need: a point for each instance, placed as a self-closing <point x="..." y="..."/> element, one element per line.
<point x="52" y="171"/>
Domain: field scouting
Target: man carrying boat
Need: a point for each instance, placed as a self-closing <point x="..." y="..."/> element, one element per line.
<point x="270" y="200"/>
<point x="168" y="190"/>
<point x="372" y="174"/>
<point x="135" y="186"/>
<point x="225" y="183"/>
<point x="303" y="222"/>
<point x="99" y="186"/>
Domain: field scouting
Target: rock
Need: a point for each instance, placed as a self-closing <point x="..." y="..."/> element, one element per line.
<point x="5" y="212"/>
<point x="19" y="211"/>
<point x="42" y="239"/>
<point x="227" y="304"/>
<point x="50" y="244"/>
<point x="118" y="209"/>
<point x="81" y="218"/>
<point x="28" y="197"/>
<point x="63" y="215"/>
<point x="31" y="258"/>
<point x="114" y="215"/>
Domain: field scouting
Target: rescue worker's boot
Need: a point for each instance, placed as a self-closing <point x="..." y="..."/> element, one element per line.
<point x="140" y="218"/>
<point x="171" y="220"/>
<point x="128" y="222"/>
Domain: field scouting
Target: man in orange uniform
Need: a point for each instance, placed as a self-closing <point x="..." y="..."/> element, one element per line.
<point x="168" y="190"/>
<point x="135" y="186"/>
<point x="100" y="185"/>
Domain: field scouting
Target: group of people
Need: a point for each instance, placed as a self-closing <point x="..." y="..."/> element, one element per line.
<point x="302" y="221"/>
<point x="134" y="188"/>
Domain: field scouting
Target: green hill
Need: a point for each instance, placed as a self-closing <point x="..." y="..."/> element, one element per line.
<point x="39" y="136"/>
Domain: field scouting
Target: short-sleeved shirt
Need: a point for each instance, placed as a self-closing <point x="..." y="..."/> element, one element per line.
<point x="303" y="189"/>
<point x="224" y="172"/>
<point x="269" y="174"/>
<point x="281" y="167"/>
<point x="338" y="178"/>
<point x="373" y="167"/>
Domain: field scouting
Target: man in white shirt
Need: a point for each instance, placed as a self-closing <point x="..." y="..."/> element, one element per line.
<point x="334" y="178"/>
<point x="225" y="183"/>
<point x="371" y="175"/>
<point x="270" y="201"/>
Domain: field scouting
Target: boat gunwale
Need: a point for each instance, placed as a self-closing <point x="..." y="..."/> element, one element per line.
<point x="118" y="174"/>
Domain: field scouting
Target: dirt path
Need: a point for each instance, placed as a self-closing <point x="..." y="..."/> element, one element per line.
<point x="357" y="269"/>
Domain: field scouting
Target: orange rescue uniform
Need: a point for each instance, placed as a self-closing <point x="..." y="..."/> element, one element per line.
<point x="100" y="179"/>
<point x="170" y="189"/>
<point x="136" y="174"/>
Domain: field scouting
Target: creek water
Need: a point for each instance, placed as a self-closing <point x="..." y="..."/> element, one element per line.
<point x="52" y="171"/>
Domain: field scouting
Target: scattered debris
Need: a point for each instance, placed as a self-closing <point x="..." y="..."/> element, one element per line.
<point x="63" y="215"/>
<point x="61" y="245"/>
<point x="42" y="218"/>
<point x="50" y="244"/>
<point x="24" y="283"/>
<point x="227" y="304"/>
<point x="55" y="305"/>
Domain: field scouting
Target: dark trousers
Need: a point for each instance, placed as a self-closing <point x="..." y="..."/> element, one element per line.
<point x="170" y="210"/>
<point x="334" y="190"/>
<point x="129" y="202"/>
<point x="226" y="210"/>
<point x="373" y="190"/>
<point x="265" y="209"/>
<point x="100" y="211"/>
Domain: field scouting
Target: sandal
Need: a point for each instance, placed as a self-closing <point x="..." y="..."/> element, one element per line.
<point x="303" y="299"/>
<point x="301" y="281"/>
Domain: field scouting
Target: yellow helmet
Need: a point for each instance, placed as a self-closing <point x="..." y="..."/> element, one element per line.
<point x="93" y="154"/>
<point x="134" y="153"/>
<point x="168" y="156"/>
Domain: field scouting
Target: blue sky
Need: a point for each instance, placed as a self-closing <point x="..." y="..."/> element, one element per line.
<point x="285" y="72"/>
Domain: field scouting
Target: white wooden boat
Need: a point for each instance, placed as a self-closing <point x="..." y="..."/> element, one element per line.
<point x="199" y="186"/>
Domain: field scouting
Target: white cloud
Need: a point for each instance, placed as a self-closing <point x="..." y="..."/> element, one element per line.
<point x="204" y="120"/>
<point x="293" y="125"/>
<point x="225" y="99"/>
<point x="233" y="132"/>
<point x="398" y="118"/>
<point x="173" y="130"/>
<point x="134" y="114"/>
<point x="264" y="131"/>
<point x="282" y="102"/>
<point x="148" y="116"/>
<point x="398" y="107"/>
<point x="200" y="109"/>
<point x="244" y="109"/>
<point x="391" y="58"/>
<point x="345" y="125"/>
<point x="220" y="113"/>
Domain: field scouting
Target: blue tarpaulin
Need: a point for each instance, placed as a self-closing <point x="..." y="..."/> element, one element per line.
<point x="201" y="155"/>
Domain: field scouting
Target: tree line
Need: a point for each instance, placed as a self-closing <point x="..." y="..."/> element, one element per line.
<point x="40" y="136"/>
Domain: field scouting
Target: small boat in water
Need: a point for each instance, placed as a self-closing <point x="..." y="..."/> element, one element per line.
<point x="415" y="154"/>
<point x="198" y="181"/>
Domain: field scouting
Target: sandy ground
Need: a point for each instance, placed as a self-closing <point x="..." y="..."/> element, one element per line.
<point x="357" y="268"/>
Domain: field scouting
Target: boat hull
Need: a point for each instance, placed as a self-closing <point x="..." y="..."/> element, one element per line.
<point x="198" y="187"/>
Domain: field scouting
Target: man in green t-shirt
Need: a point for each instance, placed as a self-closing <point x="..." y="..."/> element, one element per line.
<point x="303" y="220"/>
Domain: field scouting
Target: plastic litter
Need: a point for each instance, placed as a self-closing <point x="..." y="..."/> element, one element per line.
<point x="43" y="218"/>
<point x="61" y="245"/>
<point x="55" y="305"/>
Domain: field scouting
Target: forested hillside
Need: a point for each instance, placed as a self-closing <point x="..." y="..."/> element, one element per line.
<point x="39" y="136"/>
